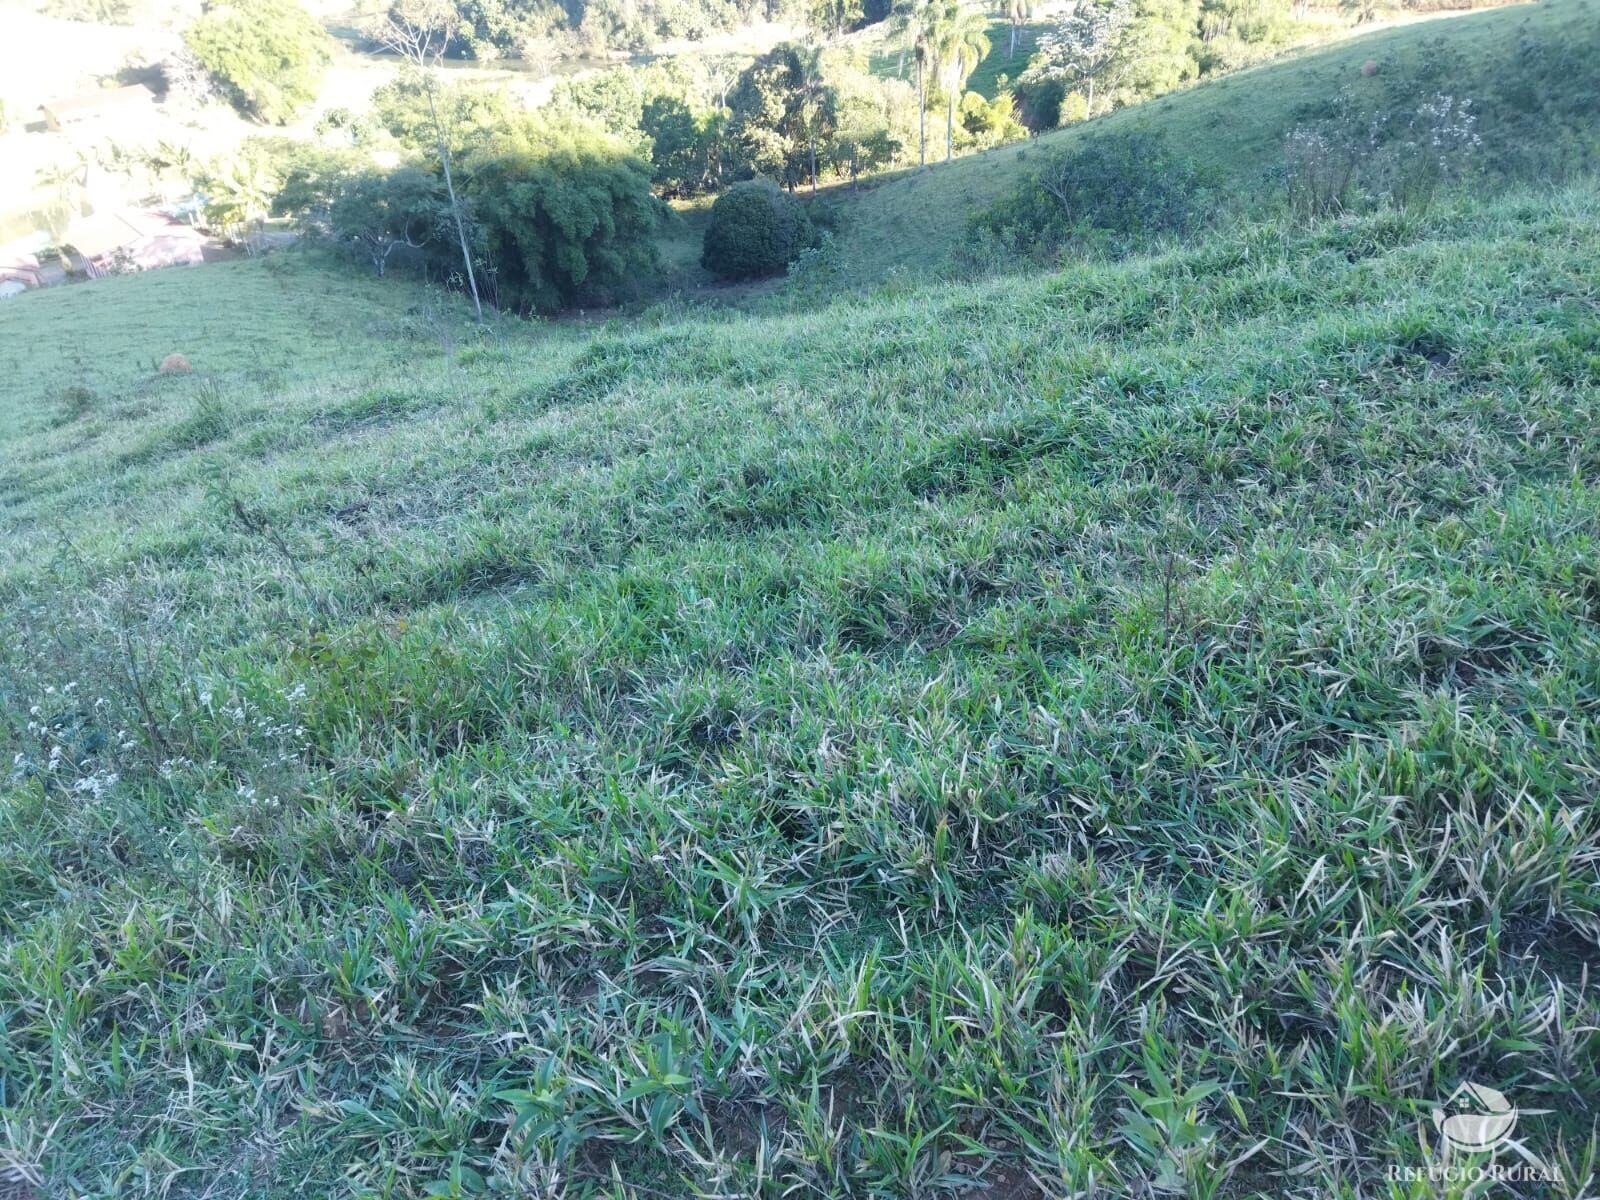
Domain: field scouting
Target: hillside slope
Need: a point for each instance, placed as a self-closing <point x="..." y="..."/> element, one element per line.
<point x="1128" y="729"/>
<point x="1532" y="71"/>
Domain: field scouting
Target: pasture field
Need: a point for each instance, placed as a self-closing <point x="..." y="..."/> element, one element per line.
<point x="1129" y="730"/>
<point x="1528" y="70"/>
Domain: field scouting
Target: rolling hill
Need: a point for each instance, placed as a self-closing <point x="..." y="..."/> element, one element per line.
<point x="1124" y="729"/>
<point x="1528" y="69"/>
<point x="1135" y="720"/>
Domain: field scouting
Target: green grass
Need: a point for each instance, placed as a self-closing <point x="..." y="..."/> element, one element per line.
<point x="1128" y="729"/>
<point x="1533" y="72"/>
<point x="1001" y="60"/>
<point x="680" y="241"/>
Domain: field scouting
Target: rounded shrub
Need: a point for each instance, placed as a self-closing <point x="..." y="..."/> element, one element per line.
<point x="756" y="230"/>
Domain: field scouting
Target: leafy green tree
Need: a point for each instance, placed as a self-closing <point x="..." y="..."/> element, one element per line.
<point x="268" y="55"/>
<point x="311" y="174"/>
<point x="468" y="113"/>
<point x="485" y="29"/>
<point x="781" y="110"/>
<point x="875" y="117"/>
<point x="550" y="29"/>
<point x="563" y="213"/>
<point x="1089" y="48"/>
<point x="680" y="144"/>
<point x="818" y="107"/>
<point x="377" y="213"/>
<point x="1160" y="47"/>
<point x="239" y="189"/>
<point x="991" y="122"/>
<point x="833" y="17"/>
<point x="756" y="230"/>
<point x="612" y="99"/>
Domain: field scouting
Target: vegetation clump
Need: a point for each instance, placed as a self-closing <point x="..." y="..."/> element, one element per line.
<point x="268" y="55"/>
<point x="756" y="230"/>
<point x="563" y="214"/>
<point x="1113" y="191"/>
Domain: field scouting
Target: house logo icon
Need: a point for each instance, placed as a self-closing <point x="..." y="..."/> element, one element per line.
<point x="1475" y="1118"/>
<point x="1474" y="1125"/>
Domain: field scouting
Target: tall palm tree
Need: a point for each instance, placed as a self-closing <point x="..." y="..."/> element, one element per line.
<point x="172" y="163"/>
<point x="1017" y="11"/>
<point x="917" y="25"/>
<point x="64" y="181"/>
<point x="816" y="101"/>
<point x="239" y="192"/>
<point x="962" y="42"/>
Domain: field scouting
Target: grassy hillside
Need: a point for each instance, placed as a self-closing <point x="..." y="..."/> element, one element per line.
<point x="1124" y="730"/>
<point x="1533" y="72"/>
<point x="1004" y="58"/>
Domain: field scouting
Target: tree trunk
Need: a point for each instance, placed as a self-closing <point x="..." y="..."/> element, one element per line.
<point x="949" y="120"/>
<point x="455" y="204"/>
<point x="922" y="119"/>
<point x="461" y="236"/>
<point x="1012" y="53"/>
<point x="813" y="164"/>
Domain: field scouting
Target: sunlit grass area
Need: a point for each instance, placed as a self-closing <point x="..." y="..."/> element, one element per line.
<point x="1004" y="59"/>
<point x="1127" y="731"/>
<point x="1523" y="68"/>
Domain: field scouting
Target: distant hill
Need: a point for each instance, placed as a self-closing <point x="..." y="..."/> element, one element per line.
<point x="1532" y="71"/>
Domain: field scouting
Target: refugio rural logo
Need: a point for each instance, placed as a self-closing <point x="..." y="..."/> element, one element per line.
<point x="1477" y="1120"/>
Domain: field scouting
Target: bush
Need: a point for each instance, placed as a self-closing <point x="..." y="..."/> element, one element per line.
<point x="377" y="214"/>
<point x="563" y="215"/>
<point x="470" y="113"/>
<point x="991" y="122"/>
<point x="269" y="55"/>
<point x="1363" y="155"/>
<point x="1040" y="99"/>
<point x="1111" y="192"/>
<point x="756" y="230"/>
